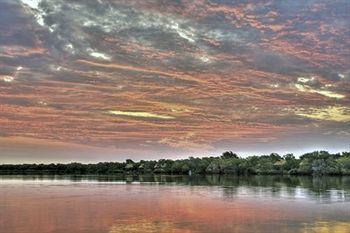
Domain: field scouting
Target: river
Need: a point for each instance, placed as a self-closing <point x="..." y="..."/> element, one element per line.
<point x="179" y="204"/>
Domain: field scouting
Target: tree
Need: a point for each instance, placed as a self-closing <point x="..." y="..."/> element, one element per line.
<point x="229" y="155"/>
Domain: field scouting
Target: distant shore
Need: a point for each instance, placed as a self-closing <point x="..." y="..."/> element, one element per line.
<point x="313" y="163"/>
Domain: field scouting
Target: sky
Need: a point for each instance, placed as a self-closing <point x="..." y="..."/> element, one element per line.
<point x="107" y="80"/>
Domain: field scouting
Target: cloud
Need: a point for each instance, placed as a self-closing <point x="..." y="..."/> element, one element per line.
<point x="7" y="79"/>
<point x="324" y="92"/>
<point x="140" y="114"/>
<point x="342" y="76"/>
<point x="305" y="79"/>
<point x="141" y="70"/>
<point x="32" y="3"/>
<point x="180" y="74"/>
<point x="186" y="34"/>
<point x="100" y="55"/>
<point x="188" y="141"/>
<point x="329" y="113"/>
<point x="38" y="13"/>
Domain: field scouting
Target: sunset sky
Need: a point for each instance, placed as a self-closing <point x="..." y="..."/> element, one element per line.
<point x="100" y="80"/>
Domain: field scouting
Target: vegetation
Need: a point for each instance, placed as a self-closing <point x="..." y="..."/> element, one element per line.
<point x="314" y="163"/>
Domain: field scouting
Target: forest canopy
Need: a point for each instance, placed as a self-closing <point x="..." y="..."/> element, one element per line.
<point x="314" y="163"/>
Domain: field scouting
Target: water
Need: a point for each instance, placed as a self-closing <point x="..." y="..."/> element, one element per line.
<point x="62" y="204"/>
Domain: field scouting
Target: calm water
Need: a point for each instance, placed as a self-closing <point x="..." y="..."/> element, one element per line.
<point x="60" y="204"/>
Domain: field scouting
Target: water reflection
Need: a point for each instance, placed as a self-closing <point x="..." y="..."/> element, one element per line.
<point x="147" y="204"/>
<point x="323" y="189"/>
<point x="327" y="227"/>
<point x="135" y="226"/>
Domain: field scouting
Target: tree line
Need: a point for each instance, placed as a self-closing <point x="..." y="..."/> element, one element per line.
<point x="314" y="163"/>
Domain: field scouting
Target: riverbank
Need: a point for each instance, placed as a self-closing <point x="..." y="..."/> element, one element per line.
<point x="314" y="163"/>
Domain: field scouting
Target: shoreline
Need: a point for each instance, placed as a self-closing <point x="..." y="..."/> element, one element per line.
<point x="317" y="163"/>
